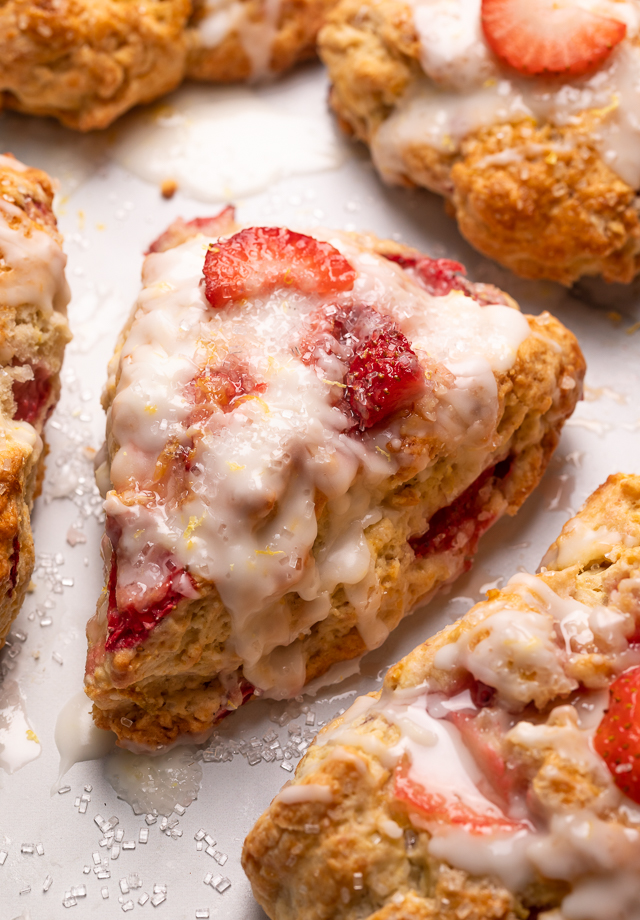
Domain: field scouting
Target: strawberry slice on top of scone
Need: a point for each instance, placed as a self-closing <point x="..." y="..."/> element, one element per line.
<point x="306" y="437"/>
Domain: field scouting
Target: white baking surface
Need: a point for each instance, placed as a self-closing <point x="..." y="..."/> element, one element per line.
<point x="108" y="216"/>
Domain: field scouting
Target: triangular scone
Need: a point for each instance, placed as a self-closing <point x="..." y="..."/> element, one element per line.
<point x="303" y="443"/>
<point x="33" y="334"/>
<point x="487" y="778"/>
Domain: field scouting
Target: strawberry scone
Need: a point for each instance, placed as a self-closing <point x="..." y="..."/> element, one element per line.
<point x="87" y="61"/>
<point x="497" y="772"/>
<point x="306" y="437"/>
<point x="33" y="334"/>
<point x="252" y="39"/>
<point x="523" y="115"/>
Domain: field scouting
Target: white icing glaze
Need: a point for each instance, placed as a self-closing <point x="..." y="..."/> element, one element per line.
<point x="527" y="654"/>
<point x="36" y="264"/>
<point x="307" y="792"/>
<point x="501" y="855"/>
<point x="224" y="17"/>
<point x="77" y="737"/>
<point x="466" y="88"/>
<point x="248" y="521"/>
<point x="206" y="140"/>
<point x="581" y="544"/>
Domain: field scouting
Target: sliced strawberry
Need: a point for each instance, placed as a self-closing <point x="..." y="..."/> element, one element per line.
<point x="221" y="388"/>
<point x="617" y="738"/>
<point x="438" y="276"/>
<point x="384" y="375"/>
<point x="482" y="734"/>
<point x="441" y="276"/>
<point x="31" y="396"/>
<point x="258" y="259"/>
<point x="448" y="810"/>
<point x="130" y="624"/>
<point x="182" y="230"/>
<point x="458" y="525"/>
<point x="555" y="37"/>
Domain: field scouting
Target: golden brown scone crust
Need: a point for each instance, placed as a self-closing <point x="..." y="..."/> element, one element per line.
<point x="87" y="61"/>
<point x="299" y="875"/>
<point x="294" y="40"/>
<point x="28" y="336"/>
<point x="555" y="210"/>
<point x="170" y="685"/>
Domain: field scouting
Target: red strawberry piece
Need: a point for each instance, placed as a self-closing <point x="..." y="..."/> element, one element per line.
<point x="131" y="623"/>
<point x="617" y="738"/>
<point x="448" y="810"/>
<point x="182" y="230"/>
<point x="437" y="276"/>
<point x="441" y="276"/>
<point x="258" y="259"/>
<point x="459" y="524"/>
<point x="384" y="375"/>
<point x="221" y="388"/>
<point x="555" y="37"/>
<point x="31" y="395"/>
<point x="482" y="734"/>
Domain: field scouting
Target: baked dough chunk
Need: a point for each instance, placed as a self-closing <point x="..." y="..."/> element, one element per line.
<point x="306" y="437"/>
<point x="33" y="335"/>
<point x="541" y="172"/>
<point x="87" y="61"/>
<point x="252" y="39"/>
<point x="487" y="778"/>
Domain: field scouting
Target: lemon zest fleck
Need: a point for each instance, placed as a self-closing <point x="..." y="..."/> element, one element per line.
<point x="334" y="383"/>
<point x="235" y="467"/>
<point x="382" y="451"/>
<point x="270" y="552"/>
<point x="31" y="736"/>
<point x="193" y="524"/>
